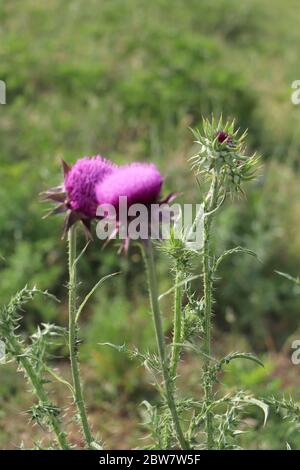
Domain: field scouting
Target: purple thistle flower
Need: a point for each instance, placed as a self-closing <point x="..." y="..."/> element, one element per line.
<point x="139" y="182"/>
<point x="77" y="195"/>
<point x="80" y="183"/>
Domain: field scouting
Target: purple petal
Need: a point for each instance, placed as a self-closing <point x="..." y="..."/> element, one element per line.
<point x="139" y="182"/>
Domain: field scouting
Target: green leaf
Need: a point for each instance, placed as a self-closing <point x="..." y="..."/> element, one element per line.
<point x="260" y="404"/>
<point x="81" y="254"/>
<point x="237" y="249"/>
<point x="182" y="283"/>
<point x="237" y="355"/>
<point x="60" y="379"/>
<point x="86" y="299"/>
<point x="295" y="280"/>
<point x="118" y="347"/>
<point x="146" y="360"/>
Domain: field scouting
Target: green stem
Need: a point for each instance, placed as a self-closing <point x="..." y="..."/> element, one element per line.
<point x="210" y="205"/>
<point x="153" y="294"/>
<point x="177" y="325"/>
<point x="78" y="395"/>
<point x="40" y="392"/>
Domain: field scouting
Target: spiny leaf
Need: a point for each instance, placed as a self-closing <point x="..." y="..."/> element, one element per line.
<point x="237" y="249"/>
<point x="259" y="403"/>
<point x="182" y="283"/>
<point x="291" y="407"/>
<point x="236" y="355"/>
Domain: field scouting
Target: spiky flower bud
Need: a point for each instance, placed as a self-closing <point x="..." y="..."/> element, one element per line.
<point x="223" y="151"/>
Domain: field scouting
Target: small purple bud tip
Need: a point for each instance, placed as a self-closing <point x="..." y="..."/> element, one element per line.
<point x="222" y="136"/>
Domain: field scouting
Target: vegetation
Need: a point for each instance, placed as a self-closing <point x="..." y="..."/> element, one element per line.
<point x="126" y="80"/>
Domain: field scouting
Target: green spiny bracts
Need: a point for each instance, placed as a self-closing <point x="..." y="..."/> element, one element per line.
<point x="223" y="151"/>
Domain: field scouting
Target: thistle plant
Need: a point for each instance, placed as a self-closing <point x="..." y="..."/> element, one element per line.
<point x="32" y="362"/>
<point x="77" y="198"/>
<point x="141" y="184"/>
<point x="221" y="160"/>
<point x="222" y="165"/>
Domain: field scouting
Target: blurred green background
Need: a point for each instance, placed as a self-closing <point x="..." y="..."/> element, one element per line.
<point x="126" y="80"/>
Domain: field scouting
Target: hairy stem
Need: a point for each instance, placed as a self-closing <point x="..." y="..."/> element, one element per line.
<point x="210" y="205"/>
<point x="39" y="390"/>
<point x="153" y="294"/>
<point x="78" y="394"/>
<point x="177" y="325"/>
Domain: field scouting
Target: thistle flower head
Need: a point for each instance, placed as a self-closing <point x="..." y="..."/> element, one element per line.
<point x="222" y="150"/>
<point x="77" y="195"/>
<point x="139" y="182"/>
<point x="80" y="183"/>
